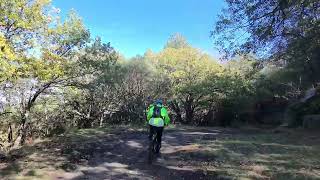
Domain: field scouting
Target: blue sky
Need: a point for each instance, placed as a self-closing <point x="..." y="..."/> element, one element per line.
<point x="132" y="26"/>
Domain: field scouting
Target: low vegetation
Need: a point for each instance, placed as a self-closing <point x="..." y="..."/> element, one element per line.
<point x="188" y="152"/>
<point x="55" y="78"/>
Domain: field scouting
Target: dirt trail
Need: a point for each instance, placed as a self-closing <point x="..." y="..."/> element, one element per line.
<point x="187" y="153"/>
<point x="123" y="155"/>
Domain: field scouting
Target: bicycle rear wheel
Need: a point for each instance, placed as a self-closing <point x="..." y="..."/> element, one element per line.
<point x="151" y="149"/>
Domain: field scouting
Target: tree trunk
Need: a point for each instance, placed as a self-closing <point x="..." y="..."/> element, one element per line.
<point x="189" y="109"/>
<point x="176" y="109"/>
<point x="209" y="118"/>
<point x="101" y="120"/>
<point x="10" y="133"/>
<point x="88" y="120"/>
<point x="24" y="130"/>
<point x="189" y="114"/>
<point x="26" y="107"/>
<point x="178" y="117"/>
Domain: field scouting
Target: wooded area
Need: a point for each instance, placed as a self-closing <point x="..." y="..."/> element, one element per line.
<point x="55" y="77"/>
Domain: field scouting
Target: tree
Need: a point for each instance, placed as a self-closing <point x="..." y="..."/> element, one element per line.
<point x="254" y="26"/>
<point x="185" y="67"/>
<point x="42" y="48"/>
<point x="177" y="41"/>
<point x="285" y="32"/>
<point x="7" y="56"/>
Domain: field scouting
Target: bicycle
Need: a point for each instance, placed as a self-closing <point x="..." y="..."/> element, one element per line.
<point x="152" y="147"/>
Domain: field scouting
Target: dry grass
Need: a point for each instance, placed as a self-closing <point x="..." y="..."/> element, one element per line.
<point x="208" y="153"/>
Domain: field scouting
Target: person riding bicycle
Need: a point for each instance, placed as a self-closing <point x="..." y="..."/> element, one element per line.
<point x="157" y="118"/>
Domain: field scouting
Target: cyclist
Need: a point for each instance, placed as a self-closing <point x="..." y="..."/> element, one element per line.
<point x="157" y="118"/>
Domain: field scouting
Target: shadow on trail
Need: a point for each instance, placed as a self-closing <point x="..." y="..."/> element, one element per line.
<point x="187" y="153"/>
<point x="125" y="157"/>
<point x="120" y="154"/>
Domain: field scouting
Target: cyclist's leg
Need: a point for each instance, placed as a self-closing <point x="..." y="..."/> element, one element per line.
<point x="151" y="132"/>
<point x="159" y="138"/>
